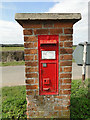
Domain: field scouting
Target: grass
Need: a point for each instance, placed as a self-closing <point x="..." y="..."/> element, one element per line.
<point x="14" y="101"/>
<point x="12" y="63"/>
<point x="11" y="48"/>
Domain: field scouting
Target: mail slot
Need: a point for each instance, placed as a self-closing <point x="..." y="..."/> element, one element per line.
<point x="48" y="64"/>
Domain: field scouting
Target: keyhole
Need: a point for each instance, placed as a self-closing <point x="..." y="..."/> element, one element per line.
<point x="45" y="80"/>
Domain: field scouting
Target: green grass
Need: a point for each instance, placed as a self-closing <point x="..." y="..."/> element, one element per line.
<point x="11" y="48"/>
<point x="12" y="63"/>
<point x="80" y="104"/>
<point x="14" y="101"/>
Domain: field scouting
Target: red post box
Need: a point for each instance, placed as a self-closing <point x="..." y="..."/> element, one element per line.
<point x="48" y="64"/>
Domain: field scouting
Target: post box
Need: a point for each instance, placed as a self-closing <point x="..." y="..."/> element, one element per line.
<point x="48" y="64"/>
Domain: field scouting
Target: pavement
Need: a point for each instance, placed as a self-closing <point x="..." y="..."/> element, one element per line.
<point x="15" y="75"/>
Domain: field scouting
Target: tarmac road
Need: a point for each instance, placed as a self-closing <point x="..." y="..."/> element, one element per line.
<point x="15" y="75"/>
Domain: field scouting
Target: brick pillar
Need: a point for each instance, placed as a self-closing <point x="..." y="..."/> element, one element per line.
<point x="48" y="106"/>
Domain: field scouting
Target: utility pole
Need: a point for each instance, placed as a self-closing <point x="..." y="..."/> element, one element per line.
<point x="84" y="62"/>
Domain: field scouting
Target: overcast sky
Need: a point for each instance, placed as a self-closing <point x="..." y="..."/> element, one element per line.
<point x="12" y="32"/>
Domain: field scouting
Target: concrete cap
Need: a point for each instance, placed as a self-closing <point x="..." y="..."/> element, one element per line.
<point x="47" y="16"/>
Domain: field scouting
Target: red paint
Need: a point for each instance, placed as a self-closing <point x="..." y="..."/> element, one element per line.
<point x="48" y="68"/>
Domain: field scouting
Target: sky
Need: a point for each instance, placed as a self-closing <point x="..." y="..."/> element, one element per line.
<point x="12" y="33"/>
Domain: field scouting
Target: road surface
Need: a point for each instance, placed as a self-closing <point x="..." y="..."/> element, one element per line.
<point x="15" y="75"/>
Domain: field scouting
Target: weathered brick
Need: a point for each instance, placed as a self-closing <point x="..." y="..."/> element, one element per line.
<point x="66" y="97"/>
<point x="47" y="24"/>
<point x="65" y="107"/>
<point x="28" y="45"/>
<point x="66" y="113"/>
<point x="65" y="75"/>
<point x="67" y="81"/>
<point x="66" y="63"/>
<point x="68" y="44"/>
<point x="29" y="69"/>
<point x="36" y="80"/>
<point x="30" y="92"/>
<point x="27" y="32"/>
<point x="41" y="31"/>
<point x="60" y="69"/>
<point x="68" y="31"/>
<point x="32" y="108"/>
<point x="66" y="102"/>
<point x="67" y="69"/>
<point x="35" y="57"/>
<point x="31" y="81"/>
<point x="66" y="50"/>
<point x="66" y="37"/>
<point x="28" y="57"/>
<point x="31" y="86"/>
<point x="35" y="44"/>
<point x="65" y="92"/>
<point x="36" y="69"/>
<point x="65" y="86"/>
<point x="63" y="24"/>
<point x="65" y="57"/>
<point x="32" y="24"/>
<point x="30" y="63"/>
<point x="57" y="108"/>
<point x="55" y="31"/>
<point x="30" y="51"/>
<point x="32" y="75"/>
<point x="61" y="44"/>
<point x="30" y="39"/>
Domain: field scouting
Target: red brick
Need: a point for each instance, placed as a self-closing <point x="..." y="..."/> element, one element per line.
<point x="41" y="31"/>
<point x="35" y="57"/>
<point x="60" y="69"/>
<point x="66" y="103"/>
<point x="65" y="86"/>
<point x="30" y="81"/>
<point x="36" y="80"/>
<point x="65" y="75"/>
<point x="32" y="24"/>
<point x="32" y="75"/>
<point x="67" y="81"/>
<point x="66" y="91"/>
<point x="31" y="86"/>
<point x="36" y="69"/>
<point x="65" y="107"/>
<point x="66" y="50"/>
<point x="47" y="25"/>
<point x="66" y="63"/>
<point x="28" y="45"/>
<point x="30" y="92"/>
<point x="61" y="44"/>
<point x="63" y="24"/>
<point x="30" y="51"/>
<point x="66" y="57"/>
<point x="27" y="32"/>
<point x="68" y="44"/>
<point x="29" y="69"/>
<point x="68" y="31"/>
<point x="31" y="63"/>
<point x="67" y="69"/>
<point x="30" y="39"/>
<point x="66" y="37"/>
<point x="28" y="57"/>
<point x="56" y="31"/>
<point x="35" y="44"/>
<point x="66" y="97"/>
<point x="57" y="108"/>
